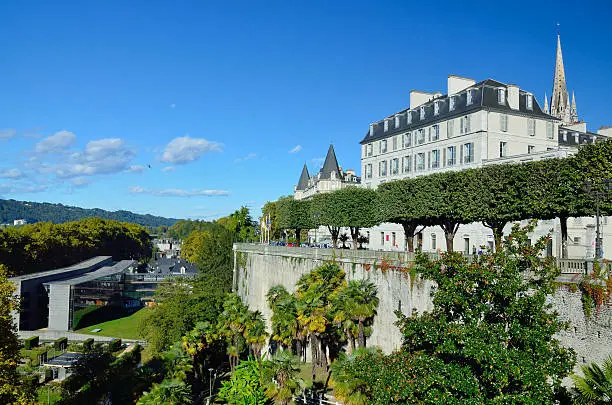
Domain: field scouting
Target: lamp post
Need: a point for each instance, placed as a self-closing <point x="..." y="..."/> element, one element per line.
<point x="210" y="370"/>
<point x="315" y="216"/>
<point x="598" y="192"/>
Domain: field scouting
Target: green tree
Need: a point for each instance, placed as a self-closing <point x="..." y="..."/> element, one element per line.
<point x="12" y="391"/>
<point x="232" y="324"/>
<point x="326" y="212"/>
<point x="315" y="294"/>
<point x="270" y="209"/>
<point x="255" y="333"/>
<point x="280" y="377"/>
<point x="357" y="303"/>
<point x="294" y="214"/>
<point x="245" y="385"/>
<point x="286" y="329"/>
<point x="168" y="392"/>
<point x="596" y="386"/>
<point x="350" y="382"/>
<point x="397" y="203"/>
<point x="491" y="318"/>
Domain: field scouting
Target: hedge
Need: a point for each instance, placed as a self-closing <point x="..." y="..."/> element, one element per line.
<point x="31" y="342"/>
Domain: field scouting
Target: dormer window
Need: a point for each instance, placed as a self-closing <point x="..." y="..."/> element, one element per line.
<point x="469" y="97"/>
<point x="501" y="96"/>
<point x="371" y="129"/>
<point x="529" y="99"/>
<point x="451" y="103"/>
<point x="409" y="117"/>
<point x="386" y="125"/>
<point x="422" y="112"/>
<point x="436" y="108"/>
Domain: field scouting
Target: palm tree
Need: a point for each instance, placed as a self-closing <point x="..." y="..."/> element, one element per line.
<point x="315" y="294"/>
<point x="255" y="332"/>
<point x="596" y="385"/>
<point x="361" y="302"/>
<point x="168" y="392"/>
<point x="347" y="386"/>
<point x="279" y="374"/>
<point x="343" y="238"/>
<point x="232" y="323"/>
<point x="285" y="326"/>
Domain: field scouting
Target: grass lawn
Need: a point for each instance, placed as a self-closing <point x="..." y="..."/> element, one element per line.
<point x="126" y="328"/>
<point x="306" y="374"/>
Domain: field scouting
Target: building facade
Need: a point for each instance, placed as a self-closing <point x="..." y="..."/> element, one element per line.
<point x="331" y="177"/>
<point x="473" y="125"/>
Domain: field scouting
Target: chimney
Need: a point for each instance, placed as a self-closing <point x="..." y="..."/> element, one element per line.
<point x="458" y="83"/>
<point x="513" y="96"/>
<point x="419" y="97"/>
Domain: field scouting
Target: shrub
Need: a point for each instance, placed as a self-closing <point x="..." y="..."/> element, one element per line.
<point x="31" y="342"/>
<point x="88" y="344"/>
<point x="61" y="343"/>
<point x="114" y="345"/>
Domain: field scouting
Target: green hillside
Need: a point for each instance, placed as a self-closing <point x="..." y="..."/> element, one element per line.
<point x="59" y="213"/>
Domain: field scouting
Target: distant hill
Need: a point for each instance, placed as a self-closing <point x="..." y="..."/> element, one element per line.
<point x="59" y="213"/>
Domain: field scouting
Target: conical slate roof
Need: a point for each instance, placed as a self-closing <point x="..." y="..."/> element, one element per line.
<point x="330" y="165"/>
<point x="304" y="177"/>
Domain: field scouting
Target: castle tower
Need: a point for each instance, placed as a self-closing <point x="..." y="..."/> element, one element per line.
<point x="560" y="103"/>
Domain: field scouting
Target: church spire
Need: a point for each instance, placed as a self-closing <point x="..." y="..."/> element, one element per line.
<point x="546" y="110"/>
<point x="574" y="114"/>
<point x="559" y="104"/>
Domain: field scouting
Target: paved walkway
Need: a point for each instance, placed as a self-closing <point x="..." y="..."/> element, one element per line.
<point x="48" y="335"/>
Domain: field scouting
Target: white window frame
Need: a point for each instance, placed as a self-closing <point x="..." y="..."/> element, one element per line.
<point x="368" y="171"/>
<point x="371" y="129"/>
<point x="407" y="164"/>
<point x="436" y="107"/>
<point x="383" y="146"/>
<point x="419" y="162"/>
<point x="503" y="149"/>
<point x="369" y="149"/>
<point x="550" y="130"/>
<point x="503" y="122"/>
<point x="395" y="166"/>
<point x="407" y="139"/>
<point x="469" y="98"/>
<point x="435" y="158"/>
<point x="465" y="124"/>
<point x="397" y="121"/>
<point x="451" y="156"/>
<point x="531" y="130"/>
<point x="422" y="112"/>
<point x="421" y="136"/>
<point x="386" y="125"/>
<point x="382" y="168"/>
<point x="529" y="101"/>
<point x="501" y="96"/>
<point x="436" y="132"/>
<point x="394" y="143"/>
<point x="530" y="149"/>
<point x="468" y="152"/>
<point x="451" y="103"/>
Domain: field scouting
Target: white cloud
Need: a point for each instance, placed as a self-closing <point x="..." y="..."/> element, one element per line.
<point x="56" y="142"/>
<point x="135" y="169"/>
<point x="104" y="156"/>
<point x="168" y="169"/>
<point x="7" y="134"/>
<point x="19" y="188"/>
<point x="250" y="156"/>
<point x="80" y="181"/>
<point x="11" y="174"/>
<point x="184" y="149"/>
<point x="296" y="149"/>
<point x="177" y="192"/>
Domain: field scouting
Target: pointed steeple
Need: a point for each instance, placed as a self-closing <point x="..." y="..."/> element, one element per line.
<point x="304" y="178"/>
<point x="546" y="110"/>
<point x="330" y="165"/>
<point x="559" y="104"/>
<point x="574" y="113"/>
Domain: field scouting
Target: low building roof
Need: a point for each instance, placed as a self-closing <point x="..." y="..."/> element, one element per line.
<point x="94" y="261"/>
<point x="116" y="268"/>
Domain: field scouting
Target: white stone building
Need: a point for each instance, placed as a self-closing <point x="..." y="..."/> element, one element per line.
<point x="473" y="125"/>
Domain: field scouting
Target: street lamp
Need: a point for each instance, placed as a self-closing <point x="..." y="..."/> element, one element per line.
<point x="210" y="370"/>
<point x="597" y="192"/>
<point x="315" y="216"/>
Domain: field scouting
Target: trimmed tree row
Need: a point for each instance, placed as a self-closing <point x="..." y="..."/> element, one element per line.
<point x="494" y="195"/>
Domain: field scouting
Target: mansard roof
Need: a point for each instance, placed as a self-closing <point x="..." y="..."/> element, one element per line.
<point x="330" y="165"/>
<point x="484" y="96"/>
<point x="304" y="177"/>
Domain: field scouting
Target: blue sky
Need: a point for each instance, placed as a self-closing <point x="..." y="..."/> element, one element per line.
<point x="226" y="100"/>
